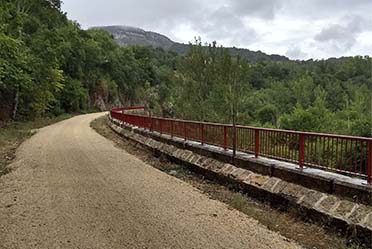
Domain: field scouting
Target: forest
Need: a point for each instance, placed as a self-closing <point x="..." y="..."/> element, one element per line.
<point x="49" y="66"/>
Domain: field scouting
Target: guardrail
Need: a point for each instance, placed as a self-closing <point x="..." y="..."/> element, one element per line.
<point x="344" y="154"/>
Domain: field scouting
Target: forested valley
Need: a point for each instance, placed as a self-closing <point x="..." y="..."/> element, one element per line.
<point x="49" y="66"/>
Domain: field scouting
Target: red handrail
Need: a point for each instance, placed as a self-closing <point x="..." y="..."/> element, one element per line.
<point x="345" y="154"/>
<point x="130" y="108"/>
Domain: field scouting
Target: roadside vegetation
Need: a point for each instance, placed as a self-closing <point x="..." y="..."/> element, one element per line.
<point x="14" y="133"/>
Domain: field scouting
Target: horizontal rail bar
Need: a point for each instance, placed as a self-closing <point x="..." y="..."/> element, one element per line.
<point x="131" y="108"/>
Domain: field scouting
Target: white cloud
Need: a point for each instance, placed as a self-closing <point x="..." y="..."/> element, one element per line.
<point x="315" y="28"/>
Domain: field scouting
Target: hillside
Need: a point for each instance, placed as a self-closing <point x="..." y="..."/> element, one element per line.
<point x="126" y="35"/>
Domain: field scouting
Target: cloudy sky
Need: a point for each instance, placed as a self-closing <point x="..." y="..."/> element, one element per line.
<point x="299" y="29"/>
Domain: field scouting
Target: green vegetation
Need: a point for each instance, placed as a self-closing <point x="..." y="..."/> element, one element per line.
<point x="18" y="130"/>
<point x="332" y="96"/>
<point x="49" y="66"/>
<point x="14" y="133"/>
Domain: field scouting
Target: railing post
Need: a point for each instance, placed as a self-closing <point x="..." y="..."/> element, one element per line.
<point x="160" y="126"/>
<point x="202" y="133"/>
<point x="225" y="137"/>
<point x="301" y="151"/>
<point x="234" y="141"/>
<point x="171" y="123"/>
<point x="184" y="130"/>
<point x="369" y="166"/>
<point x="256" y="142"/>
<point x="151" y="125"/>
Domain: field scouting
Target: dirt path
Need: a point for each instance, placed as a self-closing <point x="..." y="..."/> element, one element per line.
<point x="72" y="188"/>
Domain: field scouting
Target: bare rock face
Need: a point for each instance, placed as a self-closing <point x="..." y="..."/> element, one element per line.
<point x="100" y="104"/>
<point x="126" y="35"/>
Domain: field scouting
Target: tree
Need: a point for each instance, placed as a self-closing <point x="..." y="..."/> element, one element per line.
<point x="267" y="115"/>
<point x="14" y="77"/>
<point x="299" y="120"/>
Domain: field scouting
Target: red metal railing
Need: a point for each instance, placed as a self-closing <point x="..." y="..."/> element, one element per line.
<point x="344" y="154"/>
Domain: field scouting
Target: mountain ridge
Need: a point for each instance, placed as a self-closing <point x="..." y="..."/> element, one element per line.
<point x="128" y="35"/>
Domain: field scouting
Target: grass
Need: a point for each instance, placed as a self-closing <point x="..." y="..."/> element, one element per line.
<point x="308" y="234"/>
<point x="12" y="134"/>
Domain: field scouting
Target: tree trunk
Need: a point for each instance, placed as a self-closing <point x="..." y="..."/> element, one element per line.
<point x="15" y="106"/>
<point x="234" y="116"/>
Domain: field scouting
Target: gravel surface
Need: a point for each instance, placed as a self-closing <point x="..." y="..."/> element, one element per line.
<point x="72" y="188"/>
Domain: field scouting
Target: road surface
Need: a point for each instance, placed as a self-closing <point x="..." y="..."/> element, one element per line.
<point x="72" y="188"/>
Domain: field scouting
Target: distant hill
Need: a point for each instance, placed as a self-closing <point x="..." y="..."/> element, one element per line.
<point x="126" y="35"/>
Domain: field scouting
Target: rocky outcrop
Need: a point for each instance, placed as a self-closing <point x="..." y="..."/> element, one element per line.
<point x="126" y="35"/>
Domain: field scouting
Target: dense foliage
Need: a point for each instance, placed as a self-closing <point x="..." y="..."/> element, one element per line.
<point x="332" y="96"/>
<point x="49" y="65"/>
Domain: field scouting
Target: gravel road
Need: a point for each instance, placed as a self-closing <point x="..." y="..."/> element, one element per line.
<point x="72" y="188"/>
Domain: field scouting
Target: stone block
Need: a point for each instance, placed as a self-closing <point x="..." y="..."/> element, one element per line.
<point x="227" y="169"/>
<point x="200" y="161"/>
<point x="169" y="150"/>
<point x="359" y="214"/>
<point x="294" y="191"/>
<point x="207" y="163"/>
<point x="279" y="186"/>
<point x="177" y="153"/>
<point x="235" y="173"/>
<point x="186" y="154"/>
<point x="271" y="183"/>
<point x="368" y="221"/>
<point x="216" y="166"/>
<point x="311" y="198"/>
<point x="328" y="203"/>
<point x="243" y="176"/>
<point x="344" y="208"/>
<point x="257" y="180"/>
<point x="193" y="159"/>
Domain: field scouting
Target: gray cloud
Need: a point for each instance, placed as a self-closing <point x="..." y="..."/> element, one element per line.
<point x="296" y="52"/>
<point x="223" y="24"/>
<point x="325" y="9"/>
<point x="342" y="36"/>
<point x="139" y="13"/>
<point x="265" y="9"/>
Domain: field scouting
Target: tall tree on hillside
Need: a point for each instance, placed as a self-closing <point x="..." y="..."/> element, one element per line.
<point x="14" y="77"/>
<point x="198" y="72"/>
